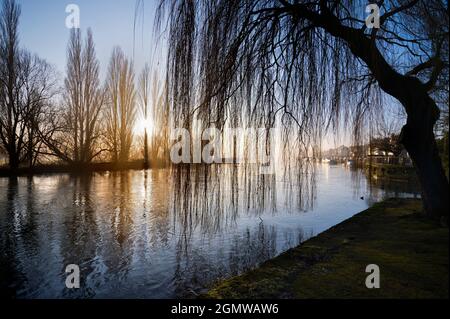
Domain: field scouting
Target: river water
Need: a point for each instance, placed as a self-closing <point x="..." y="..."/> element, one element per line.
<point x="160" y="234"/>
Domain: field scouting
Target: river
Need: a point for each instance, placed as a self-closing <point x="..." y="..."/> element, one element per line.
<point x="154" y="234"/>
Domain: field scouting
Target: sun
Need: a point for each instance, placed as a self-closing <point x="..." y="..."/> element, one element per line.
<point x="142" y="125"/>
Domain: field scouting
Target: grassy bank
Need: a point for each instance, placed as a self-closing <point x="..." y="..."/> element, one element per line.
<point x="411" y="251"/>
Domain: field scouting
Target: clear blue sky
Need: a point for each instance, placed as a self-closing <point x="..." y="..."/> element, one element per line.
<point x="43" y="29"/>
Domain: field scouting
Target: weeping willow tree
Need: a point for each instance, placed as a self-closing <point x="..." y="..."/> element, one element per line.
<point x="314" y="67"/>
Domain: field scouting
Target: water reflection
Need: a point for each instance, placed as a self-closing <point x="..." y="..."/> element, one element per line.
<point x="161" y="233"/>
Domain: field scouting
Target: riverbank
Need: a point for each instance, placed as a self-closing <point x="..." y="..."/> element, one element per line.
<point x="394" y="172"/>
<point x="410" y="250"/>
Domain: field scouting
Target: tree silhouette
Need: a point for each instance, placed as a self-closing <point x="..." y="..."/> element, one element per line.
<point x="121" y="111"/>
<point x="144" y="101"/>
<point x="27" y="85"/>
<point x="79" y="129"/>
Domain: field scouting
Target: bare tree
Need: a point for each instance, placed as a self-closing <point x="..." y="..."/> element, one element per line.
<point x="311" y="64"/>
<point x="78" y="139"/>
<point x="26" y="87"/>
<point x="144" y="101"/>
<point x="12" y="126"/>
<point x="121" y="111"/>
<point x="39" y="83"/>
<point x="160" y="115"/>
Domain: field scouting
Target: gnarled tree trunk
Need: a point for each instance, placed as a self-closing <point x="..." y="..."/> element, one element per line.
<point x="419" y="140"/>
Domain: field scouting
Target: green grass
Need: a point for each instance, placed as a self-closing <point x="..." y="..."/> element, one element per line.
<point x="411" y="251"/>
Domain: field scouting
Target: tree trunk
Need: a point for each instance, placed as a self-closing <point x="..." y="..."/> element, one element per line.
<point x="146" y="164"/>
<point x="30" y="149"/>
<point x="13" y="161"/>
<point x="418" y="138"/>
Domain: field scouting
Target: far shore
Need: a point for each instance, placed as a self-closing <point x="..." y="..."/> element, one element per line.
<point x="60" y="168"/>
<point x="75" y="168"/>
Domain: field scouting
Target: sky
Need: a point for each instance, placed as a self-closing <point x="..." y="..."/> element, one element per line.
<point x="43" y="29"/>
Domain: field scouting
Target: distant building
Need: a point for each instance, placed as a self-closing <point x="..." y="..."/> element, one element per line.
<point x="375" y="154"/>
